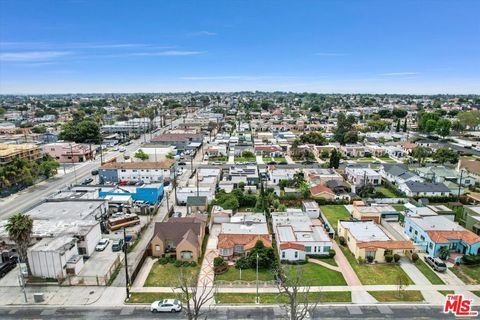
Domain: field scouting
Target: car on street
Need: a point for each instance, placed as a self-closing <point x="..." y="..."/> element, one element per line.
<point x="436" y="264"/>
<point x="87" y="181"/>
<point x="182" y="163"/>
<point x="122" y="149"/>
<point x="115" y="148"/>
<point x="6" y="266"/>
<point x="94" y="172"/>
<point x="166" y="305"/>
<point x="102" y="244"/>
<point x="117" y="245"/>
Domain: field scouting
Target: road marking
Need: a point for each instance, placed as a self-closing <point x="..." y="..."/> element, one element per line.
<point x="385" y="309"/>
<point x="13" y="311"/>
<point x="127" y="311"/>
<point x="354" y="310"/>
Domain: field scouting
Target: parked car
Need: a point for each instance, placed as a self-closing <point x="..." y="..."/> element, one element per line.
<point x="87" y="181"/>
<point x="102" y="245"/>
<point x="115" y="148"/>
<point x="6" y="266"/>
<point x="166" y="305"/>
<point x="122" y="149"/>
<point x="177" y="214"/>
<point x="117" y="245"/>
<point x="436" y="264"/>
<point x="94" y="172"/>
<point x="182" y="163"/>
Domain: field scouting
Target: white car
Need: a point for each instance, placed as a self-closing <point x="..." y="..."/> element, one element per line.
<point x="102" y="245"/>
<point x="167" y="305"/>
<point x="122" y="149"/>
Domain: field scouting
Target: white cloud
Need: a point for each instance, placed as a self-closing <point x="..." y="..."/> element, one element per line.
<point x="203" y="33"/>
<point x="32" y="55"/>
<point x="331" y="54"/>
<point x="168" y="53"/>
<point x="399" y="74"/>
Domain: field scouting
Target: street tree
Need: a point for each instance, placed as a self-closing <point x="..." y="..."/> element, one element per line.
<point x="443" y="127"/>
<point x="197" y="296"/>
<point x="291" y="284"/>
<point x="421" y="153"/>
<point x="444" y="155"/>
<point x="140" y="154"/>
<point x="19" y="228"/>
<point x="334" y="161"/>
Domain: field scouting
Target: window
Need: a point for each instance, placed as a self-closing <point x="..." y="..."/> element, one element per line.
<point x="308" y="249"/>
<point x="186" y="255"/>
<point x="296" y="254"/>
<point x="422" y="238"/>
<point x="326" y="249"/>
<point x="157" y="248"/>
<point x="430" y="245"/>
<point x="123" y="170"/>
<point x="416" y="232"/>
<point x="370" y="254"/>
<point x="410" y="229"/>
<point x="283" y="254"/>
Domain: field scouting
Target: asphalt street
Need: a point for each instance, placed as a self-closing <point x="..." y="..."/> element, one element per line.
<point x="27" y="198"/>
<point x="229" y="312"/>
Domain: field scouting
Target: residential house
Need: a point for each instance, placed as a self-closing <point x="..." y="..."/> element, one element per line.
<point x="441" y="174"/>
<point x="237" y="239"/>
<point x="432" y="233"/>
<point x="181" y="141"/>
<point x="269" y="151"/>
<point x="321" y="176"/>
<point x="354" y="150"/>
<point x="183" y="193"/>
<point x="424" y="189"/>
<point x="397" y="174"/>
<point x="471" y="216"/>
<point x="471" y="166"/>
<point x="181" y="236"/>
<point x="367" y="240"/>
<point x="25" y="151"/>
<point x="311" y="208"/>
<point x="246" y="173"/>
<point x="321" y="191"/>
<point x="297" y="235"/>
<point x="375" y="212"/>
<point x="278" y="174"/>
<point x="363" y="176"/>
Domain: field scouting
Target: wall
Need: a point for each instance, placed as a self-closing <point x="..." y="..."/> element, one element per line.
<point x="290" y="255"/>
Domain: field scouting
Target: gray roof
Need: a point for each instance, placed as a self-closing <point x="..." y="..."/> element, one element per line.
<point x="415" y="186"/>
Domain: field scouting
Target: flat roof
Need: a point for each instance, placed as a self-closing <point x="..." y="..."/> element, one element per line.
<point x="65" y="210"/>
<point x="365" y="230"/>
<point x="436" y="223"/>
<point x="240" y="228"/>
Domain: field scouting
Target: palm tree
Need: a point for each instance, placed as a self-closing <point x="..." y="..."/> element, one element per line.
<point x="19" y="228"/>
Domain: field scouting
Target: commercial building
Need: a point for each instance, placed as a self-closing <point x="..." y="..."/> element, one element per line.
<point x="68" y="152"/>
<point x="114" y="172"/>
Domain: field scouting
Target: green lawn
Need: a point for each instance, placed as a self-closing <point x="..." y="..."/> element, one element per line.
<point x="395" y="296"/>
<point x="330" y="261"/>
<point x="335" y="213"/>
<point x="366" y="159"/>
<point x="317" y="275"/>
<point x="398" y="206"/>
<point x="386" y="192"/>
<point x="477" y="293"/>
<point x="242" y="159"/>
<point x="275" y="298"/>
<point x="247" y="275"/>
<point x="166" y="275"/>
<point x="428" y="272"/>
<point x="149" y="297"/>
<point x="445" y="292"/>
<point x="213" y="159"/>
<point x="375" y="274"/>
<point x="468" y="274"/>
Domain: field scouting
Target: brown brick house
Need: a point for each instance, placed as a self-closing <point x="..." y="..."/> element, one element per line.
<point x="182" y="236"/>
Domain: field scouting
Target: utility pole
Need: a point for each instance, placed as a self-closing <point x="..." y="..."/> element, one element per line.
<point x="21" y="279"/>
<point x="257" y="300"/>
<point x="460" y="185"/>
<point x="125" y="248"/>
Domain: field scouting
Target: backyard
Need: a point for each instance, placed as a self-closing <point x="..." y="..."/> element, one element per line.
<point x="167" y="275"/>
<point x="275" y="298"/>
<point x="375" y="274"/>
<point x="468" y="274"/>
<point x="335" y="213"/>
<point x="386" y="192"/>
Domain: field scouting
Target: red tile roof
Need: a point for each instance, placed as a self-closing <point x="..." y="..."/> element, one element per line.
<point x="318" y="189"/>
<point x="292" y="245"/>
<point x="391" y="244"/>
<point x="443" y="236"/>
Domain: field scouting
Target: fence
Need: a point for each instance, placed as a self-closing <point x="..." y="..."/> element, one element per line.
<point x="98" y="280"/>
<point x="390" y="200"/>
<point x="243" y="283"/>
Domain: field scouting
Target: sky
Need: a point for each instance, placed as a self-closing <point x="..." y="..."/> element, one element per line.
<point x="81" y="46"/>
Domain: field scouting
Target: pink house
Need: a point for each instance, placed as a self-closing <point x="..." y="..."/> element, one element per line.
<point x="65" y="152"/>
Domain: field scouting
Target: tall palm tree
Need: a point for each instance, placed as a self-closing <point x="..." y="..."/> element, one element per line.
<point x="19" y="228"/>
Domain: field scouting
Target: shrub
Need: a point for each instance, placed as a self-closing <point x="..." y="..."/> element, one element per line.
<point x="331" y="253"/>
<point x="342" y="240"/>
<point x="163" y="260"/>
<point x="193" y="264"/>
<point x="218" y="261"/>
<point x="185" y="264"/>
<point x="396" y="257"/>
<point x="471" y="260"/>
<point x="243" y="263"/>
<point x="388" y="258"/>
<point x="361" y="260"/>
<point x="388" y="252"/>
<point x="370" y="259"/>
<point x="171" y="259"/>
<point x="178" y="264"/>
<point x="414" y="257"/>
<point x="220" y="269"/>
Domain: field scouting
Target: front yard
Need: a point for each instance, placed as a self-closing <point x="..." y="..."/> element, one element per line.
<point x="316" y="275"/>
<point x="375" y="274"/>
<point x="275" y="298"/>
<point x="243" y="159"/>
<point x="395" y="296"/>
<point x="428" y="272"/>
<point x="386" y="192"/>
<point x="468" y="274"/>
<point x="233" y="274"/>
<point x="149" y="297"/>
<point x="335" y="213"/>
<point x="167" y="275"/>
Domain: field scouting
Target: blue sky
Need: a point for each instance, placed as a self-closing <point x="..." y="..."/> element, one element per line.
<point x="169" y="46"/>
